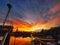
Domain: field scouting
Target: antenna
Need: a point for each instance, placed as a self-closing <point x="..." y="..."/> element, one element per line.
<point x="9" y="7"/>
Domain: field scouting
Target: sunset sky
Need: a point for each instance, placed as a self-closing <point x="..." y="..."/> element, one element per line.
<point x="31" y="14"/>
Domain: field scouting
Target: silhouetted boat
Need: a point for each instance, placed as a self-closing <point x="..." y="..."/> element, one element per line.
<point x="5" y="30"/>
<point x="4" y="34"/>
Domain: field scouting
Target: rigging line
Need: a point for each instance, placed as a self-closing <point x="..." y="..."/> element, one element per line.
<point x="12" y="13"/>
<point x="11" y="18"/>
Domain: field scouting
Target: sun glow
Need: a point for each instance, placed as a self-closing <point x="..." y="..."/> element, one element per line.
<point x="30" y="29"/>
<point x="22" y="26"/>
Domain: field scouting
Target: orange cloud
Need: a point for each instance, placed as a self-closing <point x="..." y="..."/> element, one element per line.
<point x="52" y="23"/>
<point x="20" y="23"/>
<point x="54" y="20"/>
<point x="55" y="8"/>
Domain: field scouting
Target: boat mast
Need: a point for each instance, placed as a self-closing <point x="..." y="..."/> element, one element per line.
<point x="9" y="7"/>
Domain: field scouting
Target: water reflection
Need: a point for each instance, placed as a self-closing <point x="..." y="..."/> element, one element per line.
<point x="27" y="41"/>
<point x="19" y="40"/>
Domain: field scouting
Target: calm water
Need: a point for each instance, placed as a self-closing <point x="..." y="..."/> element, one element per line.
<point x="19" y="40"/>
<point x="24" y="41"/>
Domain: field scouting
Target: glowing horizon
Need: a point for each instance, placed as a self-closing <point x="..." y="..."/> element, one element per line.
<point x="31" y="15"/>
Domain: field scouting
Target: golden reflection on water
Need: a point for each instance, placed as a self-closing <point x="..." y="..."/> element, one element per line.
<point x="19" y="40"/>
